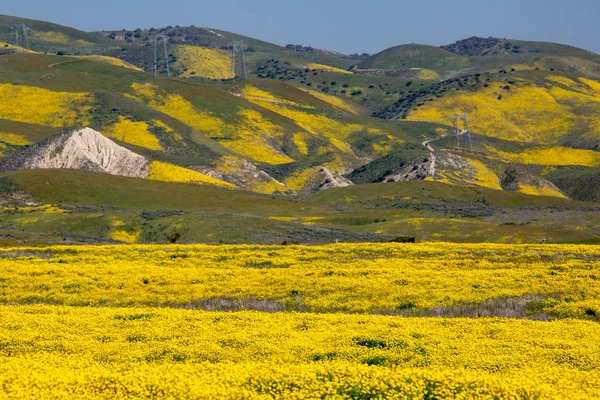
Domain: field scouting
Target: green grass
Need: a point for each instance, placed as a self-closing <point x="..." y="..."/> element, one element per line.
<point x="417" y="56"/>
<point x="434" y="211"/>
<point x="433" y="192"/>
<point x="33" y="133"/>
<point x="428" y="210"/>
<point x="578" y="182"/>
<point x="96" y="189"/>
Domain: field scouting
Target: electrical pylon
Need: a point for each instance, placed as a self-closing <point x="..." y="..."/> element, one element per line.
<point x="468" y="131"/>
<point x="164" y="39"/>
<point x="20" y="31"/>
<point x="457" y="130"/>
<point x="238" y="47"/>
<point x="464" y="117"/>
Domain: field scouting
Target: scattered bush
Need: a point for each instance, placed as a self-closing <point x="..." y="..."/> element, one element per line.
<point x="404" y="239"/>
<point x="173" y="237"/>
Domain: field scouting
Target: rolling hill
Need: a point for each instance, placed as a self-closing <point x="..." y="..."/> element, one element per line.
<point x="309" y="130"/>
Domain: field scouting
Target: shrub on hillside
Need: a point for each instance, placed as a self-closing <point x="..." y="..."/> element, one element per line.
<point x="404" y="239"/>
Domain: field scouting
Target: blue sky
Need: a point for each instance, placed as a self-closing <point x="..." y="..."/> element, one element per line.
<point x="348" y="26"/>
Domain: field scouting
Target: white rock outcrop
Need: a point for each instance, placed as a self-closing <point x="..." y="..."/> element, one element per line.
<point x="84" y="149"/>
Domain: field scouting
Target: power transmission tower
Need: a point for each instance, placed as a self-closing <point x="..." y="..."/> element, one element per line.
<point x="238" y="47"/>
<point x="164" y="38"/>
<point x="468" y="131"/>
<point x="156" y="38"/>
<point x="232" y="47"/>
<point x="20" y="31"/>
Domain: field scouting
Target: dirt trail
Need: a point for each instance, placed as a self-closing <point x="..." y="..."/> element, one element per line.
<point x="61" y="62"/>
<point x="432" y="156"/>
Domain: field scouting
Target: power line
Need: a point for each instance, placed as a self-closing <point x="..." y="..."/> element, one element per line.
<point x="164" y="39"/>
<point x="166" y="55"/>
<point x="464" y="117"/>
<point x="15" y="29"/>
<point x="20" y="31"/>
<point x="155" y="60"/>
<point x="232" y="47"/>
<point x="457" y="130"/>
<point x="238" y="47"/>
<point x="25" y="28"/>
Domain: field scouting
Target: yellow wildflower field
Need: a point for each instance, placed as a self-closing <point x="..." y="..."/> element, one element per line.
<point x="337" y="102"/>
<point x="333" y="321"/>
<point x="249" y="137"/>
<point x="421" y="279"/>
<point x="54" y="351"/>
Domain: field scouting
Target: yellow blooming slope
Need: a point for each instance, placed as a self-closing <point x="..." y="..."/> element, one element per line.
<point x="204" y="62"/>
<point x="43" y="107"/>
<point x="135" y="133"/>
<point x="254" y="136"/>
<point x="328" y="68"/>
<point x="552" y="156"/>
<point x="111" y="61"/>
<point x="161" y="171"/>
<point x="521" y="111"/>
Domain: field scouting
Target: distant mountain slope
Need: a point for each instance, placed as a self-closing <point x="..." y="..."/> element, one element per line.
<point x="134" y="41"/>
<point x="50" y="37"/>
<point x="424" y="59"/>
<point x="486" y="47"/>
<point x="218" y="127"/>
<point x="526" y="107"/>
<point x="302" y="121"/>
<point x="192" y="51"/>
<point x="474" y="55"/>
<point x="290" y="154"/>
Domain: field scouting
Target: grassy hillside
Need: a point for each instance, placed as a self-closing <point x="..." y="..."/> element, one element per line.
<point x="304" y="122"/>
<point x="488" y="47"/>
<point x="427" y="60"/>
<point x="77" y="206"/>
<point x="432" y="192"/>
<point x="217" y="39"/>
<point x="98" y="207"/>
<point x="436" y="211"/>
<point x="199" y="124"/>
<point x="547" y="109"/>
<point x="577" y="182"/>
<point x="52" y="38"/>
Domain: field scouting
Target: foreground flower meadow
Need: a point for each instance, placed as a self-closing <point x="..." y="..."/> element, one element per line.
<point x="340" y="321"/>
